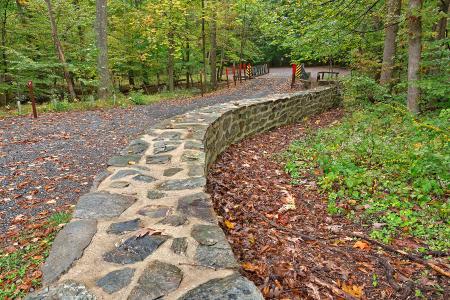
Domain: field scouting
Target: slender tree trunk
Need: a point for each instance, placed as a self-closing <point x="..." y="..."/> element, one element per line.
<point x="188" y="51"/>
<point x="203" y="39"/>
<point x="105" y="85"/>
<point x="60" y="51"/>
<point x="4" y="32"/>
<point x="213" y="52"/>
<point x="390" y="45"/>
<point x="441" y="26"/>
<point x="414" y="52"/>
<point x="171" y="61"/>
<point x="243" y="33"/>
<point x="222" y="56"/>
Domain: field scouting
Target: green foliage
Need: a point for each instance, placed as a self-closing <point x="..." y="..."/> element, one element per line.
<point x="361" y="88"/>
<point x="387" y="167"/>
<point x="138" y="98"/>
<point x="59" y="218"/>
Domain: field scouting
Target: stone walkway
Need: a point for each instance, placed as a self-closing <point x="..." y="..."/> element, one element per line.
<point x="148" y="229"/>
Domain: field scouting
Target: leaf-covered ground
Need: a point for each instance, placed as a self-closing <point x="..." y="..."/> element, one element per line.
<point x="289" y="245"/>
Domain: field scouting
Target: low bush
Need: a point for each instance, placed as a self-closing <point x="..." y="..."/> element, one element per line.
<point x="381" y="165"/>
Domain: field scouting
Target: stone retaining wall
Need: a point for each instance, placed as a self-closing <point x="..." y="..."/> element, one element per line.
<point x="147" y="229"/>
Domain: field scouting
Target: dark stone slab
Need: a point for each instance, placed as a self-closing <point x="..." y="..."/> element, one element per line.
<point x="137" y="147"/>
<point x="98" y="179"/>
<point x="144" y="178"/>
<point x="155" y="211"/>
<point x="209" y="235"/>
<point x="197" y="205"/>
<point x="168" y="135"/>
<point x="196" y="170"/>
<point x="102" y="205"/>
<point x="155" y="195"/>
<point x="124" y="160"/>
<point x="212" y="256"/>
<point x="182" y="184"/>
<point x="191" y="156"/>
<point x="119" y="184"/>
<point x="121" y="227"/>
<point x="174" y="220"/>
<point x="124" y="173"/>
<point x="179" y="246"/>
<point x="135" y="249"/>
<point x="116" y="280"/>
<point x="194" y="145"/>
<point x="172" y="171"/>
<point x="233" y="287"/>
<point x="163" y="147"/>
<point x="158" y="159"/>
<point x="157" y="280"/>
<point x="67" y="290"/>
<point x="67" y="247"/>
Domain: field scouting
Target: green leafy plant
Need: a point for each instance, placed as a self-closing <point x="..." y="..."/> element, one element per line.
<point x="386" y="166"/>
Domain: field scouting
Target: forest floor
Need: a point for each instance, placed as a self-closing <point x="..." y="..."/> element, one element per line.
<point x="288" y="243"/>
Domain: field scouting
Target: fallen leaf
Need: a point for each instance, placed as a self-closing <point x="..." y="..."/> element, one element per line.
<point x="249" y="267"/>
<point x="361" y="245"/>
<point x="146" y="231"/>
<point x="229" y="224"/>
<point x="354" y="290"/>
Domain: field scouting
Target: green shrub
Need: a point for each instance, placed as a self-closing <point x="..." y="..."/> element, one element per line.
<point x="387" y="167"/>
<point x="60" y="106"/>
<point x="138" y="98"/>
<point x="363" y="89"/>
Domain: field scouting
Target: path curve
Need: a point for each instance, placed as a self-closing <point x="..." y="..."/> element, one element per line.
<point x="48" y="163"/>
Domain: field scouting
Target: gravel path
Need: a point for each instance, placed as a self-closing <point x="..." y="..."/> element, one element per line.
<point x="46" y="164"/>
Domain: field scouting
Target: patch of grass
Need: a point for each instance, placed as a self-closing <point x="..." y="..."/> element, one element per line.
<point x="22" y="257"/>
<point x="136" y="98"/>
<point x="382" y="165"/>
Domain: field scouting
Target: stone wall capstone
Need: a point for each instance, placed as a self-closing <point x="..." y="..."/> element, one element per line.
<point x="147" y="229"/>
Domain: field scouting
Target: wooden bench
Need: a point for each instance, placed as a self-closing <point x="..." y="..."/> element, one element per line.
<point x="325" y="80"/>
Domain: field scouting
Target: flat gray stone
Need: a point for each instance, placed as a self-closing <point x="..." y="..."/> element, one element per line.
<point x="174" y="220"/>
<point x="163" y="147"/>
<point x="194" y="145"/>
<point x="158" y="159"/>
<point x="212" y="256"/>
<point x="209" y="235"/>
<point x="144" y="178"/>
<point x="116" y="280"/>
<point x="155" y="195"/>
<point x="233" y="287"/>
<point x="123" y="160"/>
<point x="197" y="205"/>
<point x="168" y="135"/>
<point x="98" y="179"/>
<point x="157" y="280"/>
<point x="67" y="290"/>
<point x="179" y="246"/>
<point x="124" y="173"/>
<point x="135" y="249"/>
<point x="137" y="147"/>
<point x="67" y="247"/>
<point x="155" y="211"/>
<point x="126" y="226"/>
<point x="119" y="184"/>
<point x="196" y="170"/>
<point x="193" y="156"/>
<point x="172" y="171"/>
<point x="182" y="184"/>
<point x="102" y="205"/>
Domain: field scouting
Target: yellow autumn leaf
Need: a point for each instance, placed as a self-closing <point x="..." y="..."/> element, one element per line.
<point x="354" y="290"/>
<point x="229" y="224"/>
<point x="249" y="267"/>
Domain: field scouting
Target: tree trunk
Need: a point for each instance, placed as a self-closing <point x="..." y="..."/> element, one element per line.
<point x="4" y="32"/>
<point x="441" y="26"/>
<point x="213" y="52"/>
<point x="391" y="30"/>
<point x="104" y="88"/>
<point x="60" y="51"/>
<point x="188" y="52"/>
<point x="203" y="38"/>
<point x="414" y="52"/>
<point x="171" y="61"/>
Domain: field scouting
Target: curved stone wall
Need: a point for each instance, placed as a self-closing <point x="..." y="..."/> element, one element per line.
<point x="147" y="229"/>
